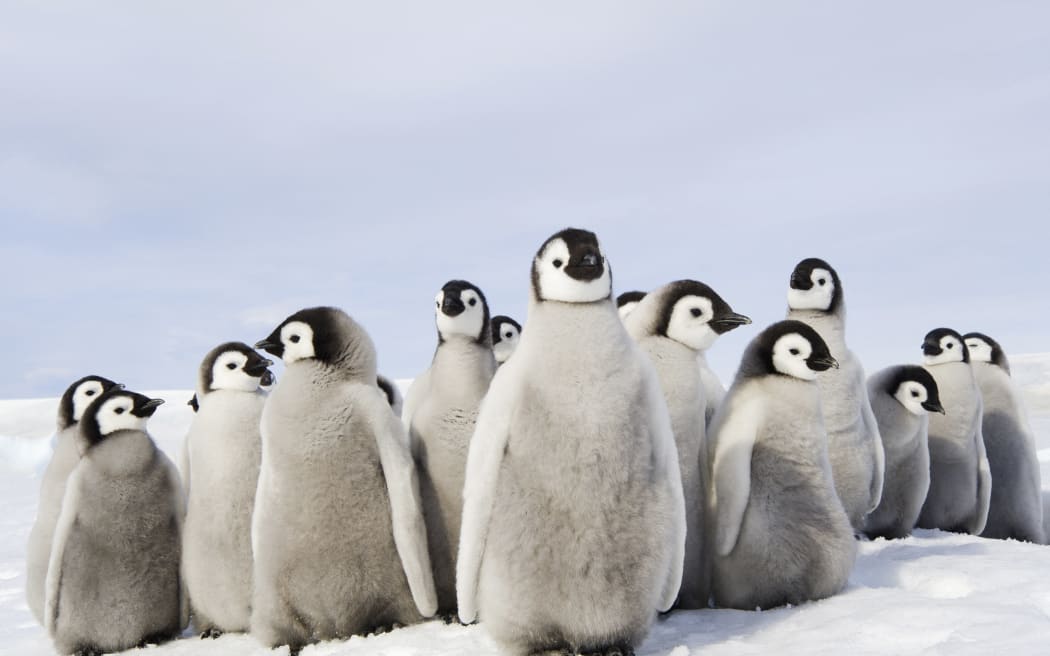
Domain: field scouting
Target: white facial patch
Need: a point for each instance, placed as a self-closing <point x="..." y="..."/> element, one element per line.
<point x="912" y="395"/>
<point x="467" y="323"/>
<point x="689" y="322"/>
<point x="556" y="285"/>
<point x="980" y="350"/>
<point x="297" y="338"/>
<point x="508" y="341"/>
<point x="626" y="309"/>
<point x="789" y="356"/>
<point x="228" y="373"/>
<point x="84" y="394"/>
<point x="115" y="414"/>
<point x="817" y="297"/>
<point x="951" y="351"/>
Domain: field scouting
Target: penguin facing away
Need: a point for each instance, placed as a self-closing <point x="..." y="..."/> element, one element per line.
<point x="505" y="335"/>
<point x="1016" y="503"/>
<point x="220" y="469"/>
<point x="113" y="581"/>
<point x="71" y="407"/>
<point x="573" y="531"/>
<point x="627" y="301"/>
<point x="815" y="296"/>
<point x="338" y="537"/>
<point x="960" y="477"/>
<point x="901" y="396"/>
<point x="780" y="534"/>
<point x="672" y="325"/>
<point x="440" y="412"/>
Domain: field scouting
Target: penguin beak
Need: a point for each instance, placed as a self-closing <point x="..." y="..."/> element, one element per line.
<point x="257" y="368"/>
<point x="452" y="306"/>
<point x="147" y="407"/>
<point x="933" y="406"/>
<point x="729" y="321"/>
<point x="931" y="347"/>
<point x="822" y="363"/>
<point x="800" y="280"/>
<point x="586" y="264"/>
<point x="271" y="345"/>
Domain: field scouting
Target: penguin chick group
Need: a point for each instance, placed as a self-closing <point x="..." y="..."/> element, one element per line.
<point x="562" y="482"/>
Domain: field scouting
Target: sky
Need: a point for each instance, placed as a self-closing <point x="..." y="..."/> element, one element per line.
<point x="175" y="175"/>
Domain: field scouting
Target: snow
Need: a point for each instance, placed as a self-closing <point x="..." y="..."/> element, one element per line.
<point x="932" y="593"/>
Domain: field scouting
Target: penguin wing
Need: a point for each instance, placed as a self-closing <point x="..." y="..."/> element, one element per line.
<point x="984" y="477"/>
<point x="64" y="529"/>
<point x="871" y="427"/>
<point x="179" y="512"/>
<point x="406" y="508"/>
<point x="184" y="464"/>
<point x="668" y="472"/>
<point x="735" y="428"/>
<point x="413" y="398"/>
<point x="484" y="459"/>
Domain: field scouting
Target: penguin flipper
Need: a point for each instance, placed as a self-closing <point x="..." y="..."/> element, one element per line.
<point x="484" y="458"/>
<point x="984" y="482"/>
<point x="406" y="507"/>
<point x="871" y="427"/>
<point x="416" y="391"/>
<point x="735" y="428"/>
<point x="64" y="528"/>
<point x="179" y="513"/>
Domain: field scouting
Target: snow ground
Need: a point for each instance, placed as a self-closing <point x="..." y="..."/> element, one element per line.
<point x="933" y="593"/>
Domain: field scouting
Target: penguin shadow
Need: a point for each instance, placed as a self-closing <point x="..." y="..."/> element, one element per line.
<point x="709" y="626"/>
<point x="894" y="565"/>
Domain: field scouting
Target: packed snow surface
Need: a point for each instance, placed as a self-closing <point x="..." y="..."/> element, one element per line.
<point x="932" y="593"/>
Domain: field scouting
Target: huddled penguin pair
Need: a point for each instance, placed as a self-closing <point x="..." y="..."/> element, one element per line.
<point x="113" y="577"/>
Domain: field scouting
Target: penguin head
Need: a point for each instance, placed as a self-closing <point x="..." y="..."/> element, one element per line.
<point x="571" y="268"/>
<point x="79" y="396"/>
<point x="814" y="286"/>
<point x="627" y="301"/>
<point x="695" y="315"/>
<point x="388" y="390"/>
<point x="116" y="410"/>
<point x="915" y="389"/>
<point x="325" y="335"/>
<point x="983" y="348"/>
<point x="793" y="348"/>
<point x="232" y="366"/>
<point x="505" y="335"/>
<point x="944" y="345"/>
<point x="462" y="311"/>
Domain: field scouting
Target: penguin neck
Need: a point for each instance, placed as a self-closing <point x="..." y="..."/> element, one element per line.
<point x="123" y="453"/>
<point x="463" y="366"/>
<point x="830" y="325"/>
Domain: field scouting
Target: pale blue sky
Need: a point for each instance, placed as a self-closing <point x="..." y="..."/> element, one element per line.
<point x="174" y="175"/>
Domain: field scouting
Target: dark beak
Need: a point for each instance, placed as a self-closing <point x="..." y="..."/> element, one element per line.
<point x="822" y="363"/>
<point x="452" y="306"/>
<point x="586" y="265"/>
<point x="729" y="321"/>
<point x="933" y="406"/>
<point x="800" y="280"/>
<point x="267" y="378"/>
<point x="147" y="408"/>
<point x="257" y="367"/>
<point x="931" y="348"/>
<point x="271" y="345"/>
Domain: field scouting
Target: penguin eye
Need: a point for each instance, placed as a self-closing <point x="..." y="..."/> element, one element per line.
<point x="794" y="351"/>
<point x="557" y="264"/>
<point x="821" y="282"/>
<point x="508" y="335"/>
<point x="472" y="302"/>
<point x="90" y="392"/>
<point x="294" y="339"/>
<point x="231" y="366"/>
<point x="119" y="411"/>
<point x="950" y="345"/>
<point x="696" y="312"/>
<point x="914" y="394"/>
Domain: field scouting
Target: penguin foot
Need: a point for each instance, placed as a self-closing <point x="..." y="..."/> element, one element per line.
<point x="154" y="639"/>
<point x="211" y="633"/>
<point x="88" y="651"/>
<point x="450" y="618"/>
<point x="385" y="628"/>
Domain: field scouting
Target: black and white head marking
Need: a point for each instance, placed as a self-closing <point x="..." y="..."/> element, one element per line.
<point x="793" y="348"/>
<point x="233" y="366"/>
<point x="570" y="267"/>
<point x="944" y="345"/>
<point x="267" y="380"/>
<point x="505" y="335"/>
<point x="915" y="389"/>
<point x="695" y="315"/>
<point x="814" y="286"/>
<point x="309" y="333"/>
<point x="461" y="310"/>
<point x="983" y="348"/>
<point x="79" y="396"/>
<point x="388" y="390"/>
<point x="627" y="301"/>
<point x="115" y="410"/>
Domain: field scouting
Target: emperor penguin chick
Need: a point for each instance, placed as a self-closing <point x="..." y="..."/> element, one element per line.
<point x="71" y="408"/>
<point x="626" y="302"/>
<point x="781" y="535"/>
<point x="960" y="478"/>
<point x="901" y="397"/>
<point x="338" y="537"/>
<point x="673" y="325"/>
<point x="1016" y="505"/>
<point x="573" y="531"/>
<point x="440" y="411"/>
<point x="220" y="470"/>
<point x="113" y="581"/>
<point x="815" y="297"/>
<point x="393" y="394"/>
<point x="506" y="333"/>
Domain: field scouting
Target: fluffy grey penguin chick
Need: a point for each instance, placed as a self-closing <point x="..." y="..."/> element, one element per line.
<point x="220" y="469"/>
<point x="440" y="412"/>
<point x="901" y="396"/>
<point x="506" y="333"/>
<point x="673" y="325"/>
<point x="573" y="531"/>
<point x="960" y="477"/>
<point x="781" y="535"/>
<point x="71" y="407"/>
<point x="815" y="297"/>
<point x="113" y="581"/>
<point x="1016" y="504"/>
<point x="338" y="536"/>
